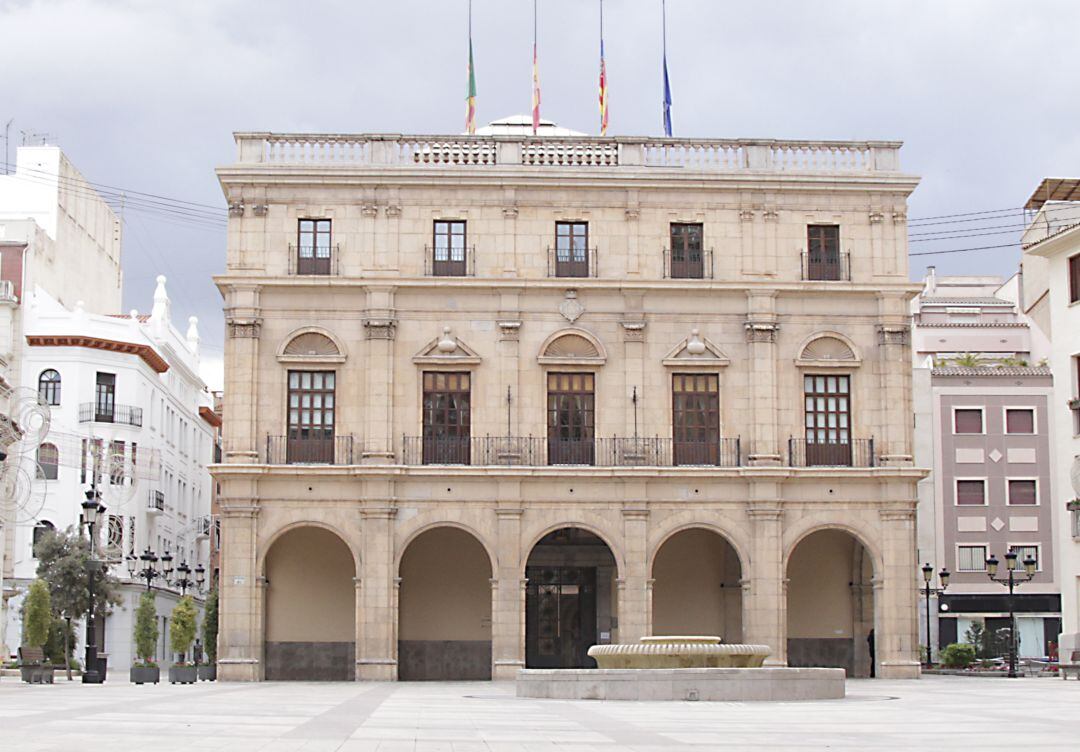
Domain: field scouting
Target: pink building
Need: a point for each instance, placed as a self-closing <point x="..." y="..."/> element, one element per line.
<point x="982" y="390"/>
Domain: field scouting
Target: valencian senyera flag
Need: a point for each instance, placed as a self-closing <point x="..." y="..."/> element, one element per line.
<point x="603" y="92"/>
<point x="470" y="96"/>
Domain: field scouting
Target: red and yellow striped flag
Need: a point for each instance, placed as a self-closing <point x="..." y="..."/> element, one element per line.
<point x="603" y="92"/>
<point x="470" y="96"/>
<point x="536" y="92"/>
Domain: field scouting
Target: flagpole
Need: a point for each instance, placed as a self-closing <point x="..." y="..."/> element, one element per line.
<point x="667" y="84"/>
<point x="470" y="86"/>
<point x="536" y="77"/>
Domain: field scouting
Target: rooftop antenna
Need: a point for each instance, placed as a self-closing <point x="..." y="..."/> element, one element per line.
<point x="7" y="137"/>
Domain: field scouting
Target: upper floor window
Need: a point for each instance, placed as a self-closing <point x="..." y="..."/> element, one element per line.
<point x="968" y="420"/>
<point x="448" y="252"/>
<point x="827" y="419"/>
<point x="311" y="417"/>
<point x="1027" y="552"/>
<point x="40" y="530"/>
<point x="48" y="458"/>
<point x="572" y="249"/>
<point x="971" y="492"/>
<point x="105" y="398"/>
<point x="571" y="418"/>
<point x="1074" y="278"/>
<point x="1019" y="420"/>
<point x="695" y="407"/>
<point x="1023" y="492"/>
<point x="971" y="558"/>
<point x="313" y="250"/>
<point x="687" y="255"/>
<point x="49" y="386"/>
<point x="447" y="419"/>
<point x="823" y="260"/>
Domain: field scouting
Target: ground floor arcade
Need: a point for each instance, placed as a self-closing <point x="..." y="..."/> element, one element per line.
<point x="407" y="585"/>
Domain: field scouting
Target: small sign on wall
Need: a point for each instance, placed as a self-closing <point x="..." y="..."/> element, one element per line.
<point x="239" y="580"/>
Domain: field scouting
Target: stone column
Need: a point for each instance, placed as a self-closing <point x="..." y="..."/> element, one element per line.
<point x="761" y="333"/>
<point x="896" y="444"/>
<point x="896" y="612"/>
<point x="242" y="374"/>
<point x="358" y="624"/>
<point x="241" y="632"/>
<point x="765" y="601"/>
<point x="633" y="601"/>
<point x="508" y="606"/>
<point x="375" y="658"/>
<point x="380" y="326"/>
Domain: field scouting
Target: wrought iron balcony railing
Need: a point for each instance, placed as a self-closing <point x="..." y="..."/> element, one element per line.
<point x="538" y="451"/>
<point x="155" y="502"/>
<point x="320" y="262"/>
<point x="294" y="450"/>
<point x="689" y="265"/>
<point x="572" y="263"/>
<point x="826" y="268"/>
<point x="450" y="262"/>
<point x="852" y="453"/>
<point x="95" y="412"/>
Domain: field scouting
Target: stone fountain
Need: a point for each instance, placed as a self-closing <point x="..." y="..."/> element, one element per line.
<point x="682" y="668"/>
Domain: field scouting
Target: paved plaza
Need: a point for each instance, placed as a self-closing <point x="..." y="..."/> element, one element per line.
<point x="935" y="713"/>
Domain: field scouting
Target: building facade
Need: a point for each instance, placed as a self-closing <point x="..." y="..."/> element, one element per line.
<point x="1052" y="289"/>
<point x="59" y="235"/>
<point x="491" y="400"/>
<point x="983" y="396"/>
<point x="129" y="417"/>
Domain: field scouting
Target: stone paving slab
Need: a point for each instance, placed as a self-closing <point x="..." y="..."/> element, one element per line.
<point x="934" y="713"/>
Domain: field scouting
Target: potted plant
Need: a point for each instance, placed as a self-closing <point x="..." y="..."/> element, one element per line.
<point x="208" y="672"/>
<point x="144" y="670"/>
<point x="37" y="620"/>
<point x="181" y="635"/>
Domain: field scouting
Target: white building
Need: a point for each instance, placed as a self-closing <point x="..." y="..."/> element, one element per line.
<point x="125" y="397"/>
<point x="1052" y="294"/>
<point x="58" y="234"/>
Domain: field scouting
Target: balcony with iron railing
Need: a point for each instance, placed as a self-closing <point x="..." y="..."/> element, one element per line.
<point x="450" y="262"/>
<point x="96" y="412"/>
<point x="318" y="262"/>
<point x="538" y="451"/>
<point x="689" y="264"/>
<point x="826" y="267"/>
<point x="155" y="502"/>
<point x="7" y="291"/>
<point x="292" y="450"/>
<point x="571" y="263"/>
<point x="853" y="453"/>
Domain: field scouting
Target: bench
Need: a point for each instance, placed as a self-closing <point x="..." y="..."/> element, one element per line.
<point x="32" y="666"/>
<point x="1073" y="666"/>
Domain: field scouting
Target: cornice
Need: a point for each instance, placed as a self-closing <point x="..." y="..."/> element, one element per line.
<point x="148" y="354"/>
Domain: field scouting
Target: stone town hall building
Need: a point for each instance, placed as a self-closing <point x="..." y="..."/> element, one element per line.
<point x="491" y="400"/>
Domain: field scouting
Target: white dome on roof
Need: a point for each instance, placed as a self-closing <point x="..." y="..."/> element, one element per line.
<point x="521" y="125"/>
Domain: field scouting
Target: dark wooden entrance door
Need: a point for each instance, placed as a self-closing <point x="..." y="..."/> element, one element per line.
<point x="560" y="617"/>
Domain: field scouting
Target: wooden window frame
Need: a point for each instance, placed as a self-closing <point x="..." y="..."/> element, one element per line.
<point x="830" y="452"/>
<point x="449" y="266"/>
<point x="310" y="448"/>
<point x="572" y="266"/>
<point x="105" y="389"/>
<point x="309" y="260"/>
<point x="446" y="442"/>
<point x="823" y="258"/>
<point x="682" y="263"/>
<point x="686" y="450"/>
<point x="571" y="450"/>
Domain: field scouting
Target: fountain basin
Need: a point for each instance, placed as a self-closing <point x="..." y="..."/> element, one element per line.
<point x="679" y="651"/>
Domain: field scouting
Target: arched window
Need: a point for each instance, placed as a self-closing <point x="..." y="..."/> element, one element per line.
<point x="48" y="457"/>
<point x="44" y="526"/>
<point x="49" y="386"/>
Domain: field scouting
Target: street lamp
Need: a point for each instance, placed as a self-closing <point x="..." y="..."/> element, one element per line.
<point x="149" y="571"/>
<point x="1013" y="580"/>
<point x="928" y="574"/>
<point x="183" y="581"/>
<point x="92" y="509"/>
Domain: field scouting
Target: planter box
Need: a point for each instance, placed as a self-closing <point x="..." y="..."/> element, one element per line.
<point x="183" y="675"/>
<point x="145" y="674"/>
<point x="208" y="673"/>
<point x="36" y="674"/>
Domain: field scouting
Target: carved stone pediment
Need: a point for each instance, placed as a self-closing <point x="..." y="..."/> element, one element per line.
<point x="446" y="349"/>
<point x="696" y="350"/>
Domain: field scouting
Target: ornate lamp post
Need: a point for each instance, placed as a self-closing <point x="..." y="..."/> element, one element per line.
<point x="1013" y="580"/>
<point x="928" y="575"/>
<point x="92" y="509"/>
<point x="183" y="579"/>
<point x="149" y="571"/>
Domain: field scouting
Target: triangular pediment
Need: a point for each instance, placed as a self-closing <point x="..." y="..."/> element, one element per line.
<point x="445" y="349"/>
<point x="696" y="350"/>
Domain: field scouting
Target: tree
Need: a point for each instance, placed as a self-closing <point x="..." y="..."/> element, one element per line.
<point x="210" y="627"/>
<point x="182" y="627"/>
<point x="37" y="615"/>
<point x="146" y="629"/>
<point x="968" y="360"/>
<point x="64" y="563"/>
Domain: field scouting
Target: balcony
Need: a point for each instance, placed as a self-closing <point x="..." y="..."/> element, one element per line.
<point x="155" y="502"/>
<point x="203" y="526"/>
<point x="826" y="268"/>
<point x="538" y="451"/>
<point x="570" y="263"/>
<point x="322" y="262"/>
<point x="7" y="291"/>
<point x="855" y="453"/>
<point x="93" y="412"/>
<point x="288" y="450"/>
<point x="445" y="262"/>
<point x="691" y="265"/>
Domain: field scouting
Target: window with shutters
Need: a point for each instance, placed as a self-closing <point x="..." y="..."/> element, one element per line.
<point x="1028" y="551"/>
<point x="571" y="418"/>
<point x="971" y="492"/>
<point x="695" y="403"/>
<point x="1023" y="492"/>
<point x="447" y="418"/>
<point x="971" y="558"/>
<point x="968" y="420"/>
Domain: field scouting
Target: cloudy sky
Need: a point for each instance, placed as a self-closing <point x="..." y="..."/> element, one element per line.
<point x="144" y="95"/>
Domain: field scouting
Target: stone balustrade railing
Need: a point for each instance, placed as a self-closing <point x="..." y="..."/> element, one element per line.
<point x="707" y="155"/>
